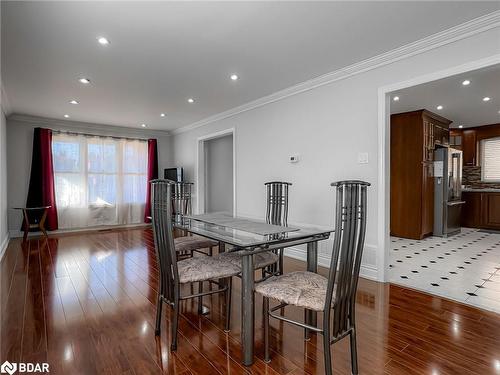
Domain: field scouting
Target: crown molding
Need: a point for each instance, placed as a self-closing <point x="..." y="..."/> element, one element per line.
<point x="462" y="31"/>
<point x="103" y="129"/>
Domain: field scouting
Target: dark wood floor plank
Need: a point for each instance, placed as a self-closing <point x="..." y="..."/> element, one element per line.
<point x="13" y="317"/>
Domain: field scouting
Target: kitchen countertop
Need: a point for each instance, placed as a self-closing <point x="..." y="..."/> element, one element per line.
<point x="481" y="190"/>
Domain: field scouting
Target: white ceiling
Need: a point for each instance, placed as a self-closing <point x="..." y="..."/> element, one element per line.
<point x="163" y="53"/>
<point x="463" y="105"/>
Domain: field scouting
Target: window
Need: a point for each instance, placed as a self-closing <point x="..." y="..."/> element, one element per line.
<point x="99" y="181"/>
<point x="490" y="159"/>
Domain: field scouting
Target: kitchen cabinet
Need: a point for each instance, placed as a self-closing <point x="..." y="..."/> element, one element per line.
<point x="469" y="147"/>
<point x="456" y="139"/>
<point x="481" y="210"/>
<point x="414" y="136"/>
<point x="491" y="210"/>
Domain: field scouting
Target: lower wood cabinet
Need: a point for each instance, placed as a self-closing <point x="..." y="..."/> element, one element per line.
<point x="491" y="210"/>
<point x="481" y="210"/>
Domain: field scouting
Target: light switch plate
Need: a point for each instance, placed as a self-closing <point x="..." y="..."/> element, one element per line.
<point x="363" y="158"/>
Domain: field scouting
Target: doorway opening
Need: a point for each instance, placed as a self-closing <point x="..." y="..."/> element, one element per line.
<point x="216" y="178"/>
<point x="442" y="176"/>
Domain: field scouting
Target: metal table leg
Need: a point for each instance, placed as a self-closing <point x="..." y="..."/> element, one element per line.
<point x="310" y="316"/>
<point x="247" y="307"/>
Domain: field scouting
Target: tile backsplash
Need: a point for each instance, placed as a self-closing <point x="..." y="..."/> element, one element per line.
<point x="471" y="175"/>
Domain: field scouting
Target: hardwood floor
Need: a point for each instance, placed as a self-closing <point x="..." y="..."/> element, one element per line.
<point x="86" y="305"/>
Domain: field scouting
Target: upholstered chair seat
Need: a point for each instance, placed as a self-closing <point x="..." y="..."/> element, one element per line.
<point x="261" y="260"/>
<point x="301" y="288"/>
<point x="201" y="268"/>
<point x="193" y="243"/>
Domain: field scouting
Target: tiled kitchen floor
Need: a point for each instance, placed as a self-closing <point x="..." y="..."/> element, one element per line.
<point x="464" y="267"/>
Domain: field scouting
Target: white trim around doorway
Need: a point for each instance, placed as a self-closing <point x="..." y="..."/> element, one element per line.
<point x="384" y="150"/>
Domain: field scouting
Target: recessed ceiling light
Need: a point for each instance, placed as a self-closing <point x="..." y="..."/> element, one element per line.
<point x="190" y="100"/>
<point x="66" y="116"/>
<point x="466" y="82"/>
<point x="234" y="77"/>
<point x="102" y="40"/>
<point x="460" y="126"/>
<point x="73" y="101"/>
<point x="85" y="81"/>
<point x="162" y="115"/>
<point x="143" y="125"/>
<point x="396" y="98"/>
<point x="439" y="107"/>
<point x="486" y="99"/>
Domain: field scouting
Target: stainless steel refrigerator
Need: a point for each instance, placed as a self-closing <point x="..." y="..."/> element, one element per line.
<point x="447" y="191"/>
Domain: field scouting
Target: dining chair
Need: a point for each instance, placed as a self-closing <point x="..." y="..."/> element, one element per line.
<point x="181" y="206"/>
<point x="173" y="272"/>
<point x="277" y="213"/>
<point x="271" y="262"/>
<point x="334" y="296"/>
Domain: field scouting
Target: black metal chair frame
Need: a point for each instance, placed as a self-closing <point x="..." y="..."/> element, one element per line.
<point x="344" y="272"/>
<point x="276" y="214"/>
<point x="169" y="287"/>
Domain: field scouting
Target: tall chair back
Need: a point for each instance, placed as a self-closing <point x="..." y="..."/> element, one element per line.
<point x="277" y="202"/>
<point x="350" y="227"/>
<point x="181" y="198"/>
<point x="161" y="212"/>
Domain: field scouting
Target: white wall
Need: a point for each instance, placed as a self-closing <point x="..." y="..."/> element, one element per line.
<point x="327" y="126"/>
<point x="4" y="233"/>
<point x="20" y="145"/>
<point x="219" y="174"/>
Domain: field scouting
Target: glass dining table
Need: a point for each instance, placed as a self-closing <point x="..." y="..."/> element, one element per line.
<point x="253" y="236"/>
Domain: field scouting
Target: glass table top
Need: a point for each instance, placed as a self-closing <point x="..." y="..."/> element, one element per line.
<point x="237" y="236"/>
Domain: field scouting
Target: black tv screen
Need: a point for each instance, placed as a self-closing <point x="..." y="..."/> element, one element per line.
<point x="174" y="174"/>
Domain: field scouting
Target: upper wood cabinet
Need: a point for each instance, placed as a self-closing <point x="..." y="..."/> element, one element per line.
<point x="414" y="136"/>
<point x="468" y="140"/>
<point x="469" y="147"/>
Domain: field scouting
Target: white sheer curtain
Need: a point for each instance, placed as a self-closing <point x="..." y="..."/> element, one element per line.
<point x="99" y="181"/>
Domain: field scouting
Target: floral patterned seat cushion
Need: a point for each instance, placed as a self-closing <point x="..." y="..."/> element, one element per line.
<point x="261" y="260"/>
<point x="190" y="243"/>
<point x="203" y="268"/>
<point x="301" y="288"/>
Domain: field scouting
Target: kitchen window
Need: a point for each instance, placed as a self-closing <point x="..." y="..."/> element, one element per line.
<point x="490" y="160"/>
<point x="99" y="180"/>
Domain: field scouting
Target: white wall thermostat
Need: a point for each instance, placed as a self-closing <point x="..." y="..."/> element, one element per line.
<point x="294" y="158"/>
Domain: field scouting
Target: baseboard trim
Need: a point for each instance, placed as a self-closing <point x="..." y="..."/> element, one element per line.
<point x="3" y="246"/>
<point x="367" y="271"/>
<point x="18" y="233"/>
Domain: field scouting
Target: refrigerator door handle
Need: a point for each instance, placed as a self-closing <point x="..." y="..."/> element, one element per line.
<point x="455" y="203"/>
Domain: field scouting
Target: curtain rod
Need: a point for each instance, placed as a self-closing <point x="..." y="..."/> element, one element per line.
<point x="97" y="135"/>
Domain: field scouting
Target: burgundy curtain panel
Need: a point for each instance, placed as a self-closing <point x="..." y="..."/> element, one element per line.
<point x="152" y="174"/>
<point x="41" y="190"/>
